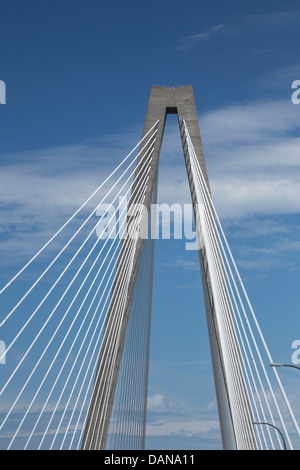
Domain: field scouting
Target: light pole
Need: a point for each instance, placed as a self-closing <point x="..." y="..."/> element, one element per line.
<point x="272" y="425"/>
<point x="285" y="365"/>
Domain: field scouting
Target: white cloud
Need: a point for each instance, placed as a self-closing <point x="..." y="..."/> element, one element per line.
<point x="193" y="40"/>
<point x="185" y="428"/>
<point x="252" y="154"/>
<point x="40" y="190"/>
<point x="275" y="19"/>
<point x="280" y="79"/>
<point x="250" y="123"/>
<point x="156" y="402"/>
<point x="167" y="416"/>
<point x="183" y="264"/>
<point x="160" y="404"/>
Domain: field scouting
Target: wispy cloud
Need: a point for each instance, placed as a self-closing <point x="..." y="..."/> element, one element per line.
<point x="188" y="428"/>
<point x="252" y="154"/>
<point x="279" y="80"/>
<point x="40" y="190"/>
<point x="183" y="264"/>
<point x="176" y="417"/>
<point x="193" y="40"/>
<point x="158" y="403"/>
<point x="278" y="19"/>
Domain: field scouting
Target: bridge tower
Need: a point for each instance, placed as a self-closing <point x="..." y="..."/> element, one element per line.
<point x="163" y="101"/>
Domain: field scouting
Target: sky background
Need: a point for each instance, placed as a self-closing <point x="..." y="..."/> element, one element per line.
<point x="78" y="76"/>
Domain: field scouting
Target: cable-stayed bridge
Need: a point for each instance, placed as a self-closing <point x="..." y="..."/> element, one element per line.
<point x="76" y="318"/>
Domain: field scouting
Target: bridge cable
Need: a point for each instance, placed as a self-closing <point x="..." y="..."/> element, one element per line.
<point x="91" y="285"/>
<point x="113" y="326"/>
<point x="4" y="387"/>
<point x="77" y="211"/>
<point x="210" y="205"/>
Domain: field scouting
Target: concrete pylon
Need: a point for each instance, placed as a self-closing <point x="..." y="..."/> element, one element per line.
<point x="163" y="101"/>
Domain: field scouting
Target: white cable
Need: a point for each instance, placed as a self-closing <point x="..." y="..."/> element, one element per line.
<point x="130" y="377"/>
<point x="207" y="193"/>
<point x="104" y="408"/>
<point x="120" y="229"/>
<point x="87" y="369"/>
<point x="75" y="234"/>
<point x="51" y="338"/>
<point x="115" y="319"/>
<point x="114" y="341"/>
<point x="249" y="306"/>
<point x="95" y="365"/>
<point x="57" y="280"/>
<point x="78" y="210"/>
<point x="111" y="343"/>
<point x="225" y="300"/>
<point x="228" y="266"/>
<point x="65" y="337"/>
<point x="99" y="433"/>
<point x="224" y="305"/>
<point x="131" y="374"/>
<point x="193" y="156"/>
<point x="82" y="406"/>
<point x="19" y="364"/>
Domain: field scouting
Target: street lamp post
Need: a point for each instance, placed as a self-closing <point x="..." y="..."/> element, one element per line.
<point x="285" y="365"/>
<point x="278" y="430"/>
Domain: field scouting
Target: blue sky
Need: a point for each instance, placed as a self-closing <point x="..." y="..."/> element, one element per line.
<point x="78" y="76"/>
